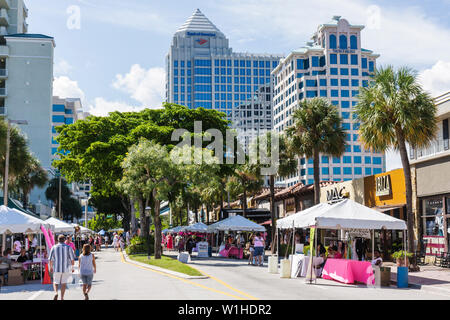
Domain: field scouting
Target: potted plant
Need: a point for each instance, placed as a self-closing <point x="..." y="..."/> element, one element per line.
<point x="399" y="256"/>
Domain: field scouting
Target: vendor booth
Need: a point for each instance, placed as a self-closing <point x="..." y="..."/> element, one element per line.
<point x="201" y="247"/>
<point x="13" y="222"/>
<point x="351" y="218"/>
<point x="234" y="224"/>
<point x="60" y="226"/>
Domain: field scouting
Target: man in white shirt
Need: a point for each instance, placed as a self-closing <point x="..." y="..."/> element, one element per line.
<point x="61" y="260"/>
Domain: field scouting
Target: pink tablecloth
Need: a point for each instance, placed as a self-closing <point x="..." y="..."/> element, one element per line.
<point x="348" y="271"/>
<point x="233" y="251"/>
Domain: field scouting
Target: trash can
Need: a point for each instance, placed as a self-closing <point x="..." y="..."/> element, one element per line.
<point x="273" y="264"/>
<point x="385" y="275"/>
<point x="285" y="268"/>
<point x="402" y="277"/>
<point x="209" y="251"/>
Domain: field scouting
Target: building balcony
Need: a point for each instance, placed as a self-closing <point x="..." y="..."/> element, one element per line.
<point x="5" y="4"/>
<point x="3" y="73"/>
<point x="436" y="148"/>
<point x="2" y="92"/>
<point x="2" y="111"/>
<point x="4" y="18"/>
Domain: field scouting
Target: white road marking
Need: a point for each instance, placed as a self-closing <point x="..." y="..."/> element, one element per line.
<point x="34" y="296"/>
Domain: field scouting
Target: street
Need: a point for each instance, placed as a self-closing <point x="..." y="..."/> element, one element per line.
<point x="229" y="279"/>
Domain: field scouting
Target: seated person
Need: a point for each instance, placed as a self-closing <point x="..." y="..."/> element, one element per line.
<point x="377" y="261"/>
<point x="334" y="253"/>
<point x="23" y="257"/>
<point x="6" y="258"/>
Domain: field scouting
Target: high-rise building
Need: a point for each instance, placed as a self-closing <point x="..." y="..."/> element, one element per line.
<point x="68" y="111"/>
<point x="13" y="14"/>
<point x="203" y="71"/>
<point x="333" y="66"/>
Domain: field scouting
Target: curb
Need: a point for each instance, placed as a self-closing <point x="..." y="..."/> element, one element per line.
<point x="173" y="273"/>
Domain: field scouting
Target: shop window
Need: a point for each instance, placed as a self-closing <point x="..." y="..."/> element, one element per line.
<point x="432" y="216"/>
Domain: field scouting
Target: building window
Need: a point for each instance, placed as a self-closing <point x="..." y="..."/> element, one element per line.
<point x="325" y="170"/>
<point x="377" y="170"/>
<point x="345" y="104"/>
<point x="324" y="159"/>
<point x="367" y="160"/>
<point x="334" y="82"/>
<point x="336" y="160"/>
<point x="347" y="159"/>
<point x="355" y="83"/>
<point x="335" y="93"/>
<point x="346" y="126"/>
<point x="364" y="63"/>
<point x="333" y="58"/>
<point x="355" y="72"/>
<point x="344" y="82"/>
<point x="376" y="160"/>
<point x="347" y="170"/>
<point x="367" y="171"/>
<point x="344" y="71"/>
<point x="337" y="170"/>
<point x="353" y="42"/>
<point x="354" y="59"/>
<point x="343" y="59"/>
<point x="342" y="42"/>
<point x="332" y="41"/>
<point x="358" y="170"/>
<point x="357" y="159"/>
<point x="345" y="93"/>
<point x="323" y="82"/>
<point x="334" y="71"/>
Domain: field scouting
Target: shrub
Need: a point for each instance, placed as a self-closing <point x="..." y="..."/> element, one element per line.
<point x="401" y="254"/>
<point x="140" y="245"/>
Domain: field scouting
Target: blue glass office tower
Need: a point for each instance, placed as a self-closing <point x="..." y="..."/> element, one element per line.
<point x="333" y="66"/>
<point x="203" y="71"/>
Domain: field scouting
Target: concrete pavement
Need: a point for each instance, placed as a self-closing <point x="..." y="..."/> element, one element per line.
<point x="229" y="280"/>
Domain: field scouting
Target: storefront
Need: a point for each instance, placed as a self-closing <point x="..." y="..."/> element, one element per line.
<point x="433" y="194"/>
<point x="386" y="193"/>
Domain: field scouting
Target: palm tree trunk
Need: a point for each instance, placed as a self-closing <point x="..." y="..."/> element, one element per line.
<point x="244" y="204"/>
<point x="145" y="228"/>
<point x="316" y="177"/>
<point x="408" y="186"/>
<point x="272" y="212"/>
<point x="158" y="227"/>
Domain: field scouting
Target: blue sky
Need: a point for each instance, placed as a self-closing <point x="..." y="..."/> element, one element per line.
<point x="116" y="59"/>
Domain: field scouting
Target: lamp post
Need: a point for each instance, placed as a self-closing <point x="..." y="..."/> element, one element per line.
<point x="86" y="203"/>
<point x="8" y="138"/>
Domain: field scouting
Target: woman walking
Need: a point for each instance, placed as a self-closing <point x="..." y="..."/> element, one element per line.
<point x="258" y="242"/>
<point x="87" y="267"/>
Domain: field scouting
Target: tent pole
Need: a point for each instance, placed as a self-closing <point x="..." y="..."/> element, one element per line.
<point x="293" y="238"/>
<point x="315" y="248"/>
<point x="373" y="243"/>
<point x="40" y="245"/>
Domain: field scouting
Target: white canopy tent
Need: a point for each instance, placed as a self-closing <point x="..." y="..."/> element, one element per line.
<point x="15" y="221"/>
<point x="83" y="229"/>
<point x="197" y="227"/>
<point x="295" y="220"/>
<point x="175" y="229"/>
<point x="346" y="214"/>
<point x="235" y="223"/>
<point x="60" y="226"/>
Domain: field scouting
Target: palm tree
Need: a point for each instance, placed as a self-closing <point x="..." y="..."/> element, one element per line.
<point x="249" y="176"/>
<point x="287" y="164"/>
<point x="317" y="129"/>
<point x="33" y="175"/>
<point x="395" y="110"/>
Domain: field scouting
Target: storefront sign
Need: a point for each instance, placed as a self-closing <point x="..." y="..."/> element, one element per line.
<point x="383" y="186"/>
<point x="336" y="194"/>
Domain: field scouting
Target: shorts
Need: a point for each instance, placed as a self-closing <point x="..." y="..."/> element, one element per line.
<point x="87" y="279"/>
<point x="258" y="251"/>
<point x="61" y="277"/>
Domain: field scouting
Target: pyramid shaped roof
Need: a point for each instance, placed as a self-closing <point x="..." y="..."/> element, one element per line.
<point x="198" y="22"/>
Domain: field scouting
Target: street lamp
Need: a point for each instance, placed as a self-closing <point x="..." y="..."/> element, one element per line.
<point x="86" y="203"/>
<point x="8" y="138"/>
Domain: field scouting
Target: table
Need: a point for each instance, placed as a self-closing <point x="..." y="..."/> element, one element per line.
<point x="348" y="271"/>
<point x="232" y="251"/>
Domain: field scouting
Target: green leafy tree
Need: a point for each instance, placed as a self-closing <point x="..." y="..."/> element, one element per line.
<point x="395" y="110"/>
<point x="317" y="129"/>
<point x="101" y="221"/>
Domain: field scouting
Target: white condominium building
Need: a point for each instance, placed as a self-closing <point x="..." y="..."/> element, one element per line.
<point x="334" y="66"/>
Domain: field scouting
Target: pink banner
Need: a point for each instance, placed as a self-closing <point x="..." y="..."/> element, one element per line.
<point x="348" y="271"/>
<point x="52" y="237"/>
<point x="47" y="237"/>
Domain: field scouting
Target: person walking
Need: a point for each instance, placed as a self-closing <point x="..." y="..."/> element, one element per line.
<point x="258" y="243"/>
<point x="61" y="260"/>
<point x="87" y="267"/>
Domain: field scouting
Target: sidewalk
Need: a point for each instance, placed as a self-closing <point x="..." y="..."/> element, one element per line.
<point x="429" y="278"/>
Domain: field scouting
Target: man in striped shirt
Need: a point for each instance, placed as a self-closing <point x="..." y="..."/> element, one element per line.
<point x="62" y="260"/>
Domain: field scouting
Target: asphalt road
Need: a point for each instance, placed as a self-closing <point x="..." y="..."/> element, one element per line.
<point x="229" y="279"/>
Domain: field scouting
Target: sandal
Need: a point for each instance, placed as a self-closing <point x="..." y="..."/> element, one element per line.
<point x="55" y="297"/>
<point x="86" y="297"/>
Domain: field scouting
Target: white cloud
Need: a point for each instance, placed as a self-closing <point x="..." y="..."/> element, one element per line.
<point x="64" y="87"/>
<point x="404" y="35"/>
<point x="436" y="80"/>
<point x="102" y="107"/>
<point x="62" y="67"/>
<point x="145" y="86"/>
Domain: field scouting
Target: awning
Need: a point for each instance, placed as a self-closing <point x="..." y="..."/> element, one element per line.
<point x="389" y="207"/>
